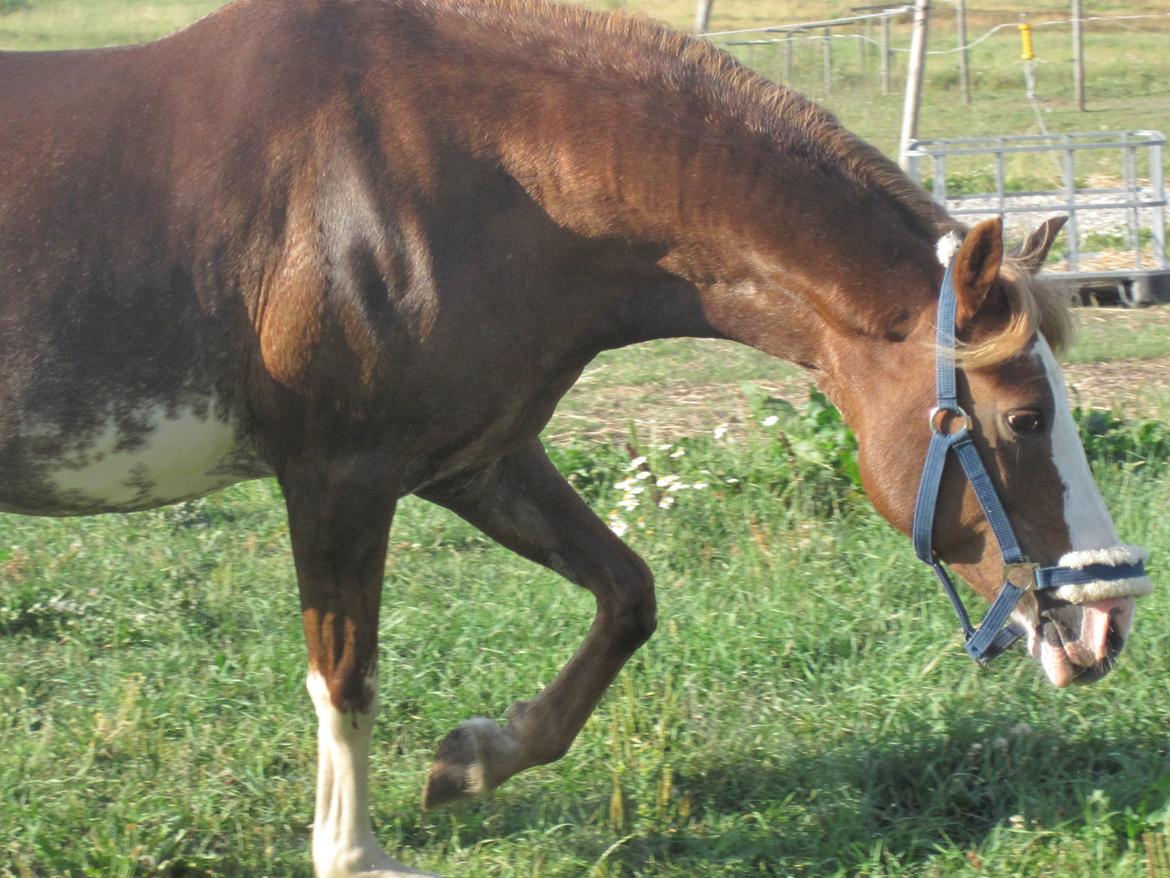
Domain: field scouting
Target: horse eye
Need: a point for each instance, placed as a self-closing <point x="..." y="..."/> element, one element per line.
<point x="1025" y="421"/>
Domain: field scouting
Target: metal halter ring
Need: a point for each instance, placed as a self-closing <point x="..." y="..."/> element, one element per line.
<point x="1021" y="574"/>
<point x="939" y="414"/>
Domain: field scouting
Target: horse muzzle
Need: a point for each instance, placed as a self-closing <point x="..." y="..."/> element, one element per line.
<point x="1080" y="629"/>
<point x="1079" y="643"/>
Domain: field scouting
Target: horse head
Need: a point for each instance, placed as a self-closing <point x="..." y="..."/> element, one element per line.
<point x="1012" y="410"/>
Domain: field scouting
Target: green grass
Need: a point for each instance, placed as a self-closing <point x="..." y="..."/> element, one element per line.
<point x="1123" y="92"/>
<point x="804" y="709"/>
<point x="68" y="24"/>
<point x="1111" y="334"/>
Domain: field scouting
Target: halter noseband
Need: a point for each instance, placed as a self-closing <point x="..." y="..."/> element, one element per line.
<point x="996" y="633"/>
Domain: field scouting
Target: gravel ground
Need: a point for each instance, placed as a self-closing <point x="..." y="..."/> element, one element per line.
<point x="1036" y="209"/>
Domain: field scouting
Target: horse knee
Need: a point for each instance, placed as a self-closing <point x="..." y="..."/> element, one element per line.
<point x="632" y="609"/>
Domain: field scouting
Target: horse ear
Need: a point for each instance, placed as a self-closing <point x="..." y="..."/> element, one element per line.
<point x="977" y="267"/>
<point x="1034" y="250"/>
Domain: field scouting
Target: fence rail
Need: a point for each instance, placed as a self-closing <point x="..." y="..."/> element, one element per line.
<point x="1132" y="203"/>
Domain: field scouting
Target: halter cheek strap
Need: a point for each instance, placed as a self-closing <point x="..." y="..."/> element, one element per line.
<point x="996" y="633"/>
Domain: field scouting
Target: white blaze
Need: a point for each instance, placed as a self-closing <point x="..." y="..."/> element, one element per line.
<point x="343" y="843"/>
<point x="1090" y="528"/>
<point x="1089" y="524"/>
<point x="1093" y="540"/>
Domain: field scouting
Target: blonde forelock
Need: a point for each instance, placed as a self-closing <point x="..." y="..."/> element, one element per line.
<point x="1034" y="306"/>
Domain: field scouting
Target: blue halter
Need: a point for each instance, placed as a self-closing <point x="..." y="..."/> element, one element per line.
<point x="996" y="633"/>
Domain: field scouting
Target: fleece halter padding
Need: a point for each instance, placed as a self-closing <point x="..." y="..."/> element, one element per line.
<point x="1103" y="589"/>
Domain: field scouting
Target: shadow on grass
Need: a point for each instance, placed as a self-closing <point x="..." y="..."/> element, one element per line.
<point x="826" y="810"/>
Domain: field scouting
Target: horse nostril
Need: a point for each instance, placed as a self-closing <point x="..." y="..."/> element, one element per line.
<point x="1061" y="623"/>
<point x="1115" y="636"/>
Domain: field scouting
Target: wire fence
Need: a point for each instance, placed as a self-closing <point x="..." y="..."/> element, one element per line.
<point x="870" y="50"/>
<point x="977" y="82"/>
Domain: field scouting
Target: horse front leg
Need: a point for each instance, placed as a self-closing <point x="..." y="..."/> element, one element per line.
<point x="525" y="504"/>
<point x="339" y="520"/>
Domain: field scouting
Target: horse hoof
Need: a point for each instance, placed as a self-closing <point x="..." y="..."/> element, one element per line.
<point x="474" y="758"/>
<point x="367" y="861"/>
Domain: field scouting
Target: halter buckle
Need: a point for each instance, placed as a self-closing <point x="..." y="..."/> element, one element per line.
<point x="942" y="417"/>
<point x="1021" y="574"/>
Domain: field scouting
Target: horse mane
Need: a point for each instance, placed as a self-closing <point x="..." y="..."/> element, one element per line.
<point x="608" y="46"/>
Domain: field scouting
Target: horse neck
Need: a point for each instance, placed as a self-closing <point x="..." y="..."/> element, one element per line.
<point x="782" y="255"/>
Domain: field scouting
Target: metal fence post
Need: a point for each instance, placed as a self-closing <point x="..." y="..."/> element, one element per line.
<point x="964" y="65"/>
<point x="914" y="79"/>
<point x="1078" y="39"/>
<point x="828" y="60"/>
<point x="885" y="58"/>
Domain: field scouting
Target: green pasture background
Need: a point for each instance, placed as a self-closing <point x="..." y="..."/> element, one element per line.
<point x="805" y="708"/>
<point x="1127" y="59"/>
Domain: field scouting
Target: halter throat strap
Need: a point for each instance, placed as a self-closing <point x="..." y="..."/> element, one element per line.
<point x="951" y="431"/>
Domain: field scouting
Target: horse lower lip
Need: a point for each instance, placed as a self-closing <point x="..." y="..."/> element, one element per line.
<point x="1079" y="654"/>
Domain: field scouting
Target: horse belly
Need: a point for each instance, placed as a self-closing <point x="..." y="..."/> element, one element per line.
<point x="163" y="456"/>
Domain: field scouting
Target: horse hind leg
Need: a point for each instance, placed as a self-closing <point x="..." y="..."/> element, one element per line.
<point x="339" y="520"/>
<point x="525" y="504"/>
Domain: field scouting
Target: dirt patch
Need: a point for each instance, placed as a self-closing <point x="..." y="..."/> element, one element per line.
<point x="665" y="412"/>
<point x="1136" y="387"/>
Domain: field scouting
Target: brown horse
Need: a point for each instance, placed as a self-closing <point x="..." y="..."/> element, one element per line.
<point x="366" y="245"/>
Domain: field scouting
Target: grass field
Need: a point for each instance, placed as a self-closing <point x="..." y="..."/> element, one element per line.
<point x="805" y="708"/>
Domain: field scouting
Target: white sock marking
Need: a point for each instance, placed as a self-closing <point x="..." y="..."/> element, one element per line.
<point x="343" y="842"/>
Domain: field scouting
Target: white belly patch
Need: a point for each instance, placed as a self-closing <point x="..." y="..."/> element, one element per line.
<point x="171" y="455"/>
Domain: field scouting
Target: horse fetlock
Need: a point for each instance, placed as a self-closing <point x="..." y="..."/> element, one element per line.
<point x="475" y="758"/>
<point x="538" y="740"/>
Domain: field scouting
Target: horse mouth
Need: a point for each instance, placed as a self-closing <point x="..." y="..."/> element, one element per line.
<point x="1080" y="643"/>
